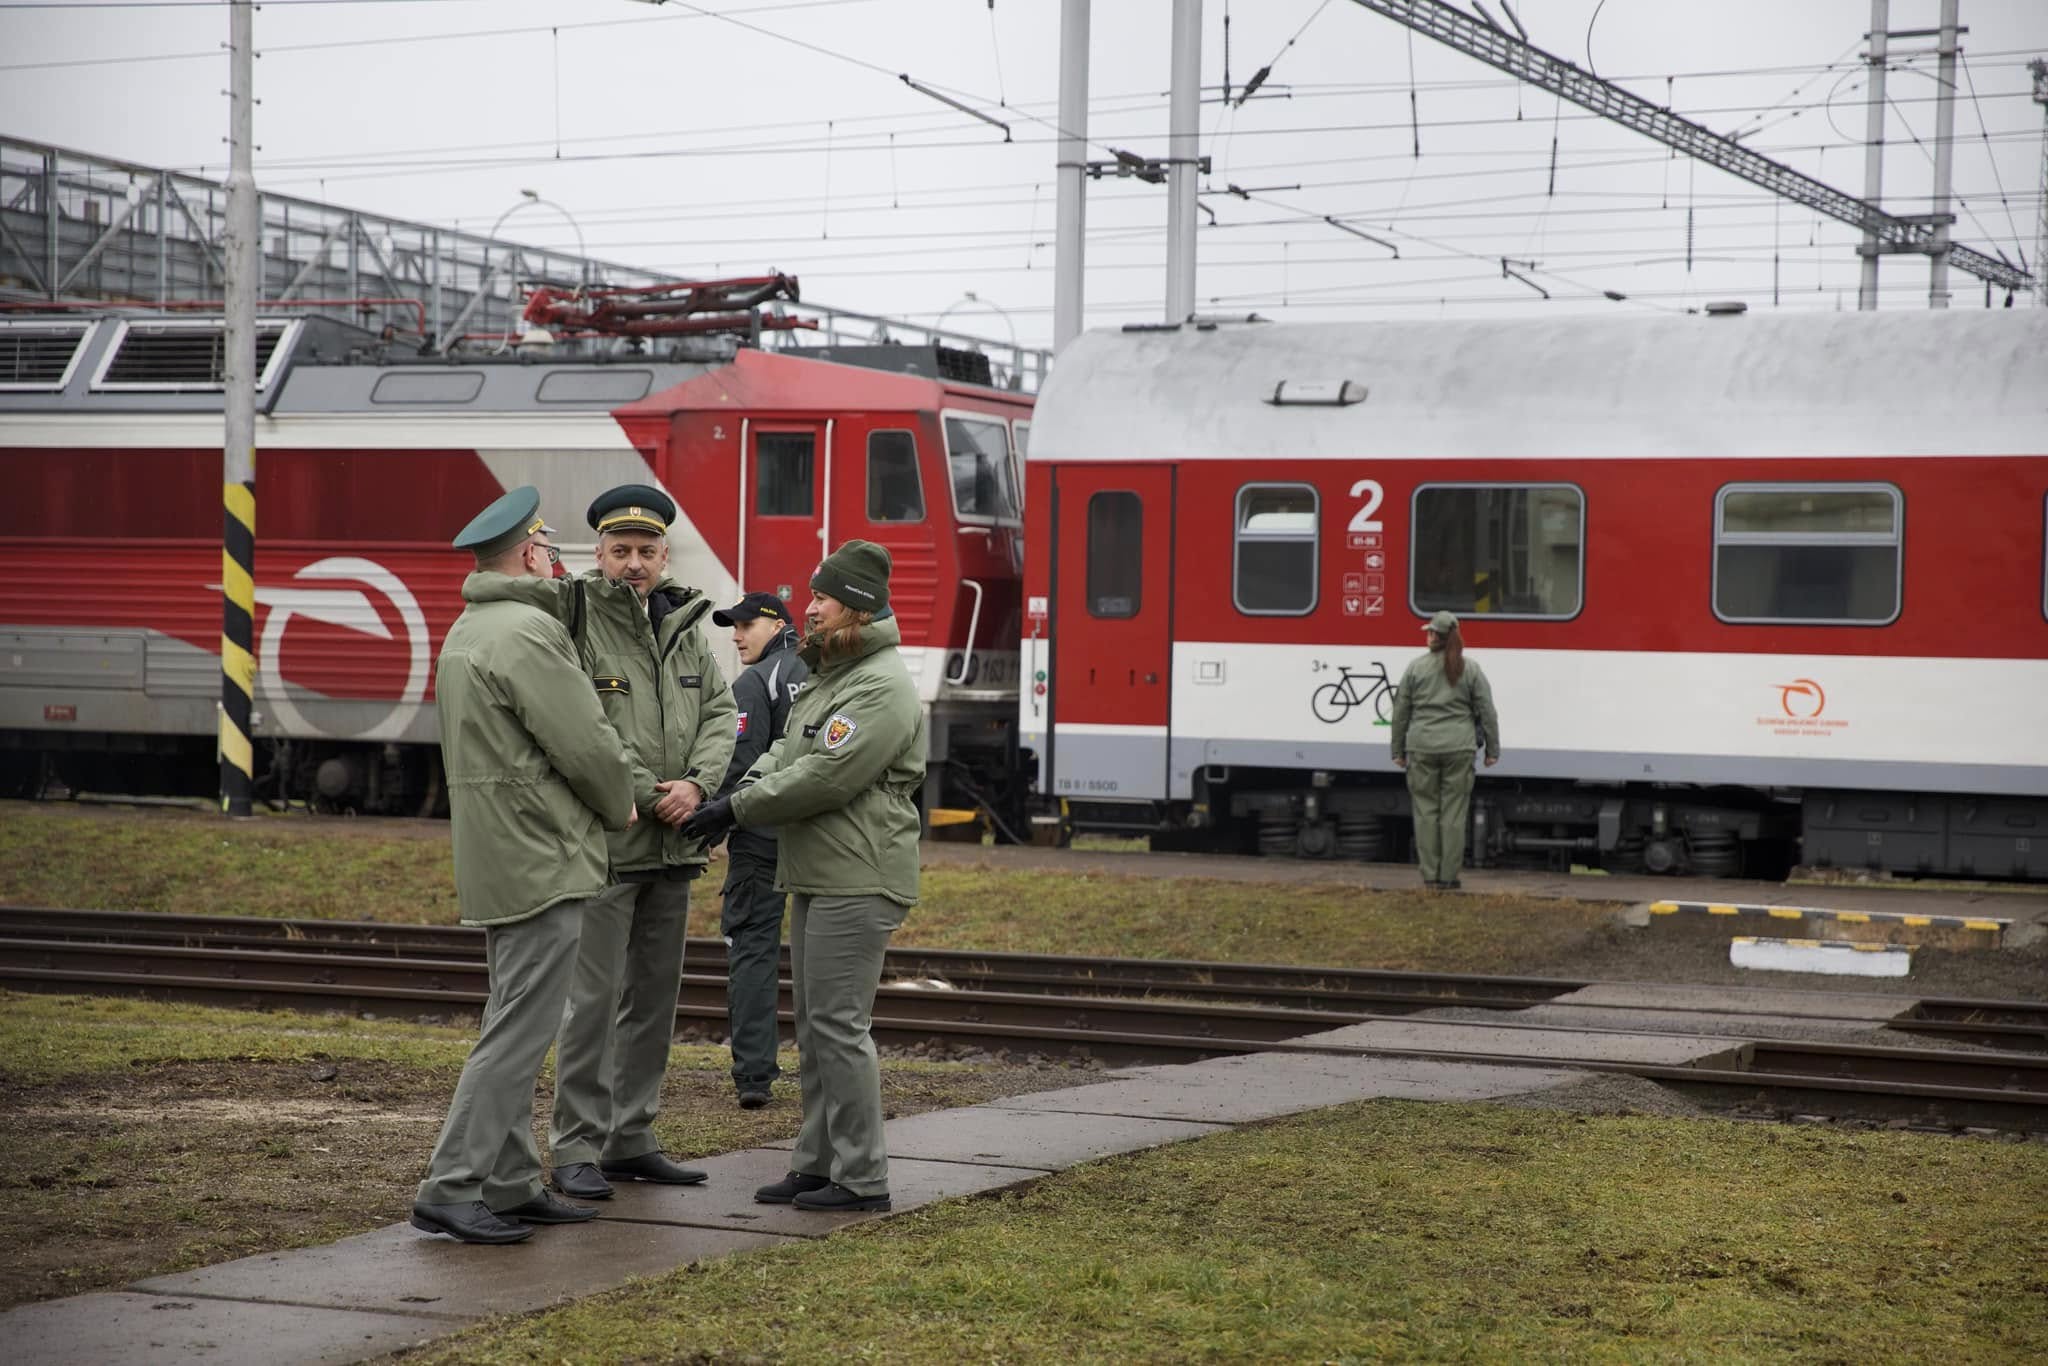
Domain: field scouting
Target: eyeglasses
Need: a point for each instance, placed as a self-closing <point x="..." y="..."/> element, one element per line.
<point x="554" y="555"/>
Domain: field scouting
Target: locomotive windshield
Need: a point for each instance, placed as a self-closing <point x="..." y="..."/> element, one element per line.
<point x="978" y="450"/>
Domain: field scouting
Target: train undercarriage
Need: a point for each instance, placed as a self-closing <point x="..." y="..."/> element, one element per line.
<point x="1675" y="830"/>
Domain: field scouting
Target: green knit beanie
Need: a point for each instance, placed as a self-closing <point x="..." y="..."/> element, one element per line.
<point x="857" y="574"/>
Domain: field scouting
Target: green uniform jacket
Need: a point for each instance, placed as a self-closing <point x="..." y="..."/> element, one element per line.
<point x="840" y="782"/>
<point x="660" y="687"/>
<point x="535" y="772"/>
<point x="1433" y="717"/>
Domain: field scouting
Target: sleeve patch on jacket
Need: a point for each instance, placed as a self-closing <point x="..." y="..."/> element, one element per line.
<point x="611" y="684"/>
<point x="811" y="731"/>
<point x="839" y="730"/>
<point x="741" y="730"/>
<point x="690" y="681"/>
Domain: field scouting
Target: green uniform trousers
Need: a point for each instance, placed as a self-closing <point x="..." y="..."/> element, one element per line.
<point x="751" y="921"/>
<point x="835" y="951"/>
<point x="486" y="1150"/>
<point x="612" y="1051"/>
<point x="1440" y="794"/>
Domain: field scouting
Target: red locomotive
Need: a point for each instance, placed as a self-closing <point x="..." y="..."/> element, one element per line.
<point x="1737" y="581"/>
<point x="370" y="452"/>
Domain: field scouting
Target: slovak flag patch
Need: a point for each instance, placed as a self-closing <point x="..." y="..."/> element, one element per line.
<point x="839" y="730"/>
<point x="742" y="727"/>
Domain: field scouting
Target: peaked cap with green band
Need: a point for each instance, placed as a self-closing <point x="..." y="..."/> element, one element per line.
<point x="857" y="574"/>
<point x="510" y="519"/>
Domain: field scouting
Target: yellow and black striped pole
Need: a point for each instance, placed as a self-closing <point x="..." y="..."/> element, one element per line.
<point x="238" y="452"/>
<point x="237" y="642"/>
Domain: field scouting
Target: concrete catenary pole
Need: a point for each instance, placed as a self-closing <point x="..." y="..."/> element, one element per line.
<point x="1873" y="149"/>
<point x="238" y="481"/>
<point x="1070" y="236"/>
<point x="1944" y="157"/>
<point x="1184" y="122"/>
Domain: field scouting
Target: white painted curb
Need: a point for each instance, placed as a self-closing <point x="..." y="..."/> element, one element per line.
<point x="1837" y="957"/>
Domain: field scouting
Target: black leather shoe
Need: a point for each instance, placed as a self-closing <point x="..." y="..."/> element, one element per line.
<point x="469" y="1222"/>
<point x="546" y="1209"/>
<point x="837" y="1199"/>
<point x="1452" y="886"/>
<point x="656" y="1167"/>
<point x="753" y="1098"/>
<point x="786" y="1190"/>
<point x="581" y="1180"/>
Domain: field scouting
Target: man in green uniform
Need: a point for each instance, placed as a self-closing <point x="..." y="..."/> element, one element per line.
<point x="652" y="669"/>
<point x="535" y="775"/>
<point x="1442" y="712"/>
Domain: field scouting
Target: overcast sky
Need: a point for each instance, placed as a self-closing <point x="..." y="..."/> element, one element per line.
<point x="691" y="144"/>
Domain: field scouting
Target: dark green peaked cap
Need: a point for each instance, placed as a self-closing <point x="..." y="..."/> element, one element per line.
<point x="512" y="518"/>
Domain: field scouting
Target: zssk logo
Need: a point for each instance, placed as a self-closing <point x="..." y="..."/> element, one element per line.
<point x="350" y="609"/>
<point x="1802" y="699"/>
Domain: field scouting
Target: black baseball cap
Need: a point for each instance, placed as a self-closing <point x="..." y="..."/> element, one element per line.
<point x="752" y="607"/>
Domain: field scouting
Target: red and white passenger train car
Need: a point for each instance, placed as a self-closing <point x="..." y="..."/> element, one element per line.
<point x="371" y="455"/>
<point x="1737" y="582"/>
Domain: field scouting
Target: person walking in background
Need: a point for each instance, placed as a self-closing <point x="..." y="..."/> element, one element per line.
<point x="1442" y="712"/>
<point x="535" y="776"/>
<point x="842" y="786"/>
<point x="651" y="668"/>
<point x="751" y="917"/>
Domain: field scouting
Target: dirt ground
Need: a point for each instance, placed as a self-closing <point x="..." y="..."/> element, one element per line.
<point x="112" y="1178"/>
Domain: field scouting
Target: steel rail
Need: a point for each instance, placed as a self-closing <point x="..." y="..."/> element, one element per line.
<point x="2007" y="1089"/>
<point x="1354" y="993"/>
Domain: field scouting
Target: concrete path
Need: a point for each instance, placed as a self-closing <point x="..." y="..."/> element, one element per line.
<point x="380" y="1291"/>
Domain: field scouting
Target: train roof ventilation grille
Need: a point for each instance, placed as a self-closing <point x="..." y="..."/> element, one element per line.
<point x="181" y="355"/>
<point x="964" y="367"/>
<point x="40" y="357"/>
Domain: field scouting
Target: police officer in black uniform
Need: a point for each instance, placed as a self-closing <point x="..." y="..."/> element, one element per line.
<point x="752" y="918"/>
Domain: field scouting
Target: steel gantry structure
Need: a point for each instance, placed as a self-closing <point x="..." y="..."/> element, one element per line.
<point x="1888" y="233"/>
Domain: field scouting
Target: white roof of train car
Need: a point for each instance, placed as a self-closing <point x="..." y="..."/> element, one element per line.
<point x="1963" y="382"/>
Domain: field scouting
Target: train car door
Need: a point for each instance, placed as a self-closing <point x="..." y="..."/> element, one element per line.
<point x="786" y="494"/>
<point x="1111" y="630"/>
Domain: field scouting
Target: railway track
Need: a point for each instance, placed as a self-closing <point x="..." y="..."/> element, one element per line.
<point x="1121" y="1010"/>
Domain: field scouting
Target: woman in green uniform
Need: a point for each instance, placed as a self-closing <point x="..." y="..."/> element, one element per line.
<point x="840" y="787"/>
<point x="1442" y="712"/>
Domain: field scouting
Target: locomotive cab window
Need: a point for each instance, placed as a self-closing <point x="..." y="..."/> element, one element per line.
<point x="1815" y="554"/>
<point x="895" y="493"/>
<point x="1499" y="550"/>
<point x="1116" y="543"/>
<point x="782" y="478"/>
<point x="978" y="455"/>
<point x="1275" y="550"/>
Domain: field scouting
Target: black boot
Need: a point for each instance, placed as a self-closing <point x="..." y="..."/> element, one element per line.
<point x="786" y="1190"/>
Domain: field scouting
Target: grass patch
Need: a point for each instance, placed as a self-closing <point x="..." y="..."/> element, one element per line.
<point x="399" y="871"/>
<point x="1397" y="1230"/>
<point x="146" y="1137"/>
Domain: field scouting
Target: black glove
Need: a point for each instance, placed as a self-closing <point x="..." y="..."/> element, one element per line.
<point x="710" y="822"/>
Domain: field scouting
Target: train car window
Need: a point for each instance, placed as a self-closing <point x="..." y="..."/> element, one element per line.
<point x="978" y="453"/>
<point x="1022" y="432"/>
<point x="1498" y="550"/>
<point x="1275" y="550"/>
<point x="1116" y="536"/>
<point x="895" y="493"/>
<point x="1814" y="554"/>
<point x="606" y="384"/>
<point x="782" y="481"/>
<point x="426" y="386"/>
